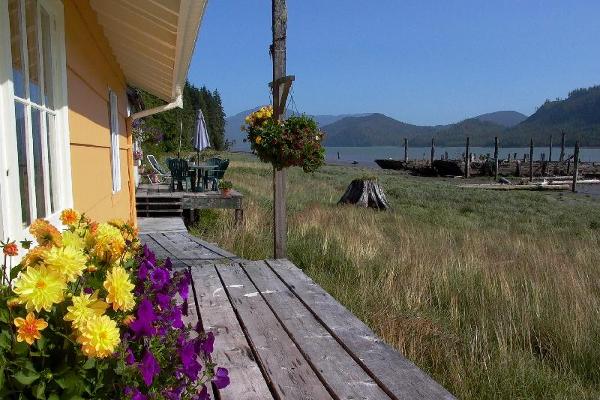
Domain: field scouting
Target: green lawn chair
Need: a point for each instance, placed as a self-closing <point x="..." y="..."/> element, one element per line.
<point x="179" y="172"/>
<point x="214" y="175"/>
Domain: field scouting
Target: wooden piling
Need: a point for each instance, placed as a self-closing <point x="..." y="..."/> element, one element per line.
<point x="467" y="160"/>
<point x="496" y="158"/>
<point x="278" y="53"/>
<point x="531" y="160"/>
<point x="562" y="148"/>
<point x="575" y="165"/>
<point x="405" y="150"/>
<point x="550" y="153"/>
<point x="432" y="151"/>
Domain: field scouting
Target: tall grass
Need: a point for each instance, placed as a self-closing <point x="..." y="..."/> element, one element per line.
<point x="495" y="294"/>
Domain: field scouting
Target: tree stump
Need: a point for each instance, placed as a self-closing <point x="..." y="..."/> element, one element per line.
<point x="365" y="193"/>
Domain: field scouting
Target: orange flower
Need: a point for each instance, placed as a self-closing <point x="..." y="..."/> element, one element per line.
<point x="128" y="319"/>
<point x="69" y="217"/>
<point x="10" y="249"/>
<point x="29" y="328"/>
<point x="34" y="257"/>
<point x="45" y="233"/>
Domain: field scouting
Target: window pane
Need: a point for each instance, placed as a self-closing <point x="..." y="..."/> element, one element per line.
<point x="38" y="170"/>
<point x="47" y="56"/>
<point x="22" y="160"/>
<point x="15" y="47"/>
<point x="50" y="138"/>
<point x="35" y="92"/>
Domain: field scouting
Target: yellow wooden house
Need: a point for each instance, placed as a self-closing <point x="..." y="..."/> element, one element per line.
<point x="65" y="121"/>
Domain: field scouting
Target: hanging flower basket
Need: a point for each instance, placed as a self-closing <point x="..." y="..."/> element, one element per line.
<point x="295" y="142"/>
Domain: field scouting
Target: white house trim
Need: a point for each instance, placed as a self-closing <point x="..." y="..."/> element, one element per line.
<point x="10" y="204"/>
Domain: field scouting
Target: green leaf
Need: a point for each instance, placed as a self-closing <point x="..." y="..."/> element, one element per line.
<point x="53" y="396"/>
<point x="4" y="316"/>
<point x="90" y="363"/>
<point x="39" y="391"/>
<point x="2" y="378"/>
<point x="14" y="272"/>
<point x="21" y="348"/>
<point x="5" y="341"/>
<point x="25" y="377"/>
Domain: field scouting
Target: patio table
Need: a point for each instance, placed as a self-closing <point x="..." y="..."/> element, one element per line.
<point x="196" y="173"/>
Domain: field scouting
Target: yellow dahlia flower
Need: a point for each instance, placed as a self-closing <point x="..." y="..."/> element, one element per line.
<point x="119" y="289"/>
<point x="68" y="261"/>
<point x="108" y="242"/>
<point x="99" y="337"/>
<point x="69" y="217"/>
<point x="84" y="308"/>
<point x="28" y="329"/>
<point x="39" y="288"/>
<point x="74" y="240"/>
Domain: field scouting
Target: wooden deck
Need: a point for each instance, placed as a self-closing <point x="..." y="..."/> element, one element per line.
<point x="281" y="335"/>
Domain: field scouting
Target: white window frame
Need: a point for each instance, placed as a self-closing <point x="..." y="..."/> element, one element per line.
<point x="115" y="155"/>
<point x="10" y="203"/>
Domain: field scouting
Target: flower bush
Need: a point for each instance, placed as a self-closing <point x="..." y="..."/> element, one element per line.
<point x="297" y="141"/>
<point x="90" y="314"/>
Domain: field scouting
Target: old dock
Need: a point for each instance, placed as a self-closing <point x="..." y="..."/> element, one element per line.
<point x="281" y="335"/>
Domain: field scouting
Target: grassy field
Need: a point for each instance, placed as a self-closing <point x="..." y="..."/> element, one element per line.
<point x="495" y="294"/>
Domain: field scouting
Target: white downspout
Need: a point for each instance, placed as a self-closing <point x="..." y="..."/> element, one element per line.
<point x="178" y="102"/>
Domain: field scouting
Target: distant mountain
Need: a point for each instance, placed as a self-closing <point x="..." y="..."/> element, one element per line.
<point x="578" y="115"/>
<point x="372" y="130"/>
<point x="234" y="123"/>
<point x="503" y="118"/>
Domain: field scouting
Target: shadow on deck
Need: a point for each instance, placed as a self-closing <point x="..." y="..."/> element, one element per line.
<point x="281" y="335"/>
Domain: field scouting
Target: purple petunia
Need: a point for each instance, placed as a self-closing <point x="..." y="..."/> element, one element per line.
<point x="129" y="358"/>
<point x="168" y="264"/>
<point x="143" y="324"/>
<point x="183" y="285"/>
<point x="174" y="318"/>
<point x="149" y="254"/>
<point x="149" y="368"/>
<point x="188" y="357"/>
<point x="88" y="290"/>
<point x="145" y="267"/>
<point x="164" y="300"/>
<point x="203" y="395"/>
<point x="206" y="344"/>
<point x="159" y="277"/>
<point x="221" y="379"/>
<point x="134" y="393"/>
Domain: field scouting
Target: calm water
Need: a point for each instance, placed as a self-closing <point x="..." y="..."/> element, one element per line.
<point x="367" y="155"/>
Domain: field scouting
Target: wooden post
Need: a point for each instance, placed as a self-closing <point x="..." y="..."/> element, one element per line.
<point x="550" y="153"/>
<point x="278" y="53"/>
<point x="531" y="160"/>
<point x="496" y="158"/>
<point x="338" y="154"/>
<point x="561" y="158"/>
<point x="467" y="160"/>
<point x="432" y="151"/>
<point x="405" y="150"/>
<point x="575" y="165"/>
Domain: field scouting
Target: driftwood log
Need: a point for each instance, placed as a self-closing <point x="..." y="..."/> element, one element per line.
<point x="365" y="193"/>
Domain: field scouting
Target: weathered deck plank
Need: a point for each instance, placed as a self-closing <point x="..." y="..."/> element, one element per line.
<point x="389" y="368"/>
<point x="342" y="374"/>
<point x="162" y="225"/>
<point x="291" y="376"/>
<point x="231" y="347"/>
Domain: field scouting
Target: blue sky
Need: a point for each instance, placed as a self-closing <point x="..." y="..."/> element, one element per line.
<point x="419" y="61"/>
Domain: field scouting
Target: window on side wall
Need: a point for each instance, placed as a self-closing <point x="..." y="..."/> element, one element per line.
<point x="115" y="158"/>
<point x="35" y="93"/>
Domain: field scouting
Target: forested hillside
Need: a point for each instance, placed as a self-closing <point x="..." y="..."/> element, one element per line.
<point x="162" y="130"/>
